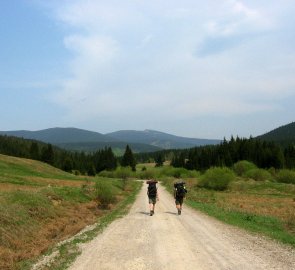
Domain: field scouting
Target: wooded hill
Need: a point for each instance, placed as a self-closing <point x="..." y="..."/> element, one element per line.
<point x="263" y="153"/>
<point x="70" y="161"/>
<point x="284" y="135"/>
<point x="274" y="149"/>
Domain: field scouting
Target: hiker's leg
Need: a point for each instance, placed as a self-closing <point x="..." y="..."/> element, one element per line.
<point x="177" y="203"/>
<point x="151" y="206"/>
<point x="154" y="203"/>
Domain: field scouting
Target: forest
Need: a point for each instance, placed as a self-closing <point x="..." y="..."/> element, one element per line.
<point x="264" y="154"/>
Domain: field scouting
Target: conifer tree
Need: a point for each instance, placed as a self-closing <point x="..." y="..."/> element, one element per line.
<point x="128" y="159"/>
<point x="34" y="151"/>
<point x="47" y="154"/>
<point x="159" y="159"/>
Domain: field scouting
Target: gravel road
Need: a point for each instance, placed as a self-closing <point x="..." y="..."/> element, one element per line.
<point x="168" y="241"/>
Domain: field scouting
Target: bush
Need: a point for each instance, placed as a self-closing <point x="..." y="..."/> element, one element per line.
<point x="120" y="172"/>
<point x="107" y="174"/>
<point x="147" y="174"/>
<point x="217" y="178"/>
<point x="167" y="171"/>
<point x="104" y="194"/>
<point x="286" y="176"/>
<point x="243" y="166"/>
<point x="259" y="175"/>
<point x="123" y="172"/>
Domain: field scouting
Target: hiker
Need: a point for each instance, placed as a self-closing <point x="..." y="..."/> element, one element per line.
<point x="153" y="195"/>
<point x="179" y="194"/>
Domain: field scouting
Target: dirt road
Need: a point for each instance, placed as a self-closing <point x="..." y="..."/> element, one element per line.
<point x="168" y="241"/>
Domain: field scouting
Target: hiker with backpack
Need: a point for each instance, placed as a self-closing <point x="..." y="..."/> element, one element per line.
<point x="153" y="195"/>
<point x="179" y="194"/>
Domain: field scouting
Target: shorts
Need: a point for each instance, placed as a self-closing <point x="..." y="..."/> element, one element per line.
<point x="152" y="200"/>
<point x="178" y="201"/>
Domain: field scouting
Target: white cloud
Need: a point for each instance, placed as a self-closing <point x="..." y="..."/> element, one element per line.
<point x="91" y="52"/>
<point x="148" y="59"/>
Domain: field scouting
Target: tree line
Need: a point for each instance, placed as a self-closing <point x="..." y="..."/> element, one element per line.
<point x="79" y="162"/>
<point x="263" y="154"/>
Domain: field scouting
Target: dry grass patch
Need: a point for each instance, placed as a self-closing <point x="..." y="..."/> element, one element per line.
<point x="267" y="206"/>
<point x="22" y="243"/>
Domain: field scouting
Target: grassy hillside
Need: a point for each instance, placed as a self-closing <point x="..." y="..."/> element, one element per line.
<point x="41" y="205"/>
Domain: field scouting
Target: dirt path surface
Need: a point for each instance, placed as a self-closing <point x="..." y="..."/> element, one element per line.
<point x="168" y="241"/>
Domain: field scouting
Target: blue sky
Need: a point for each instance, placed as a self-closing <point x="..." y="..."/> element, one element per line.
<point x="203" y="69"/>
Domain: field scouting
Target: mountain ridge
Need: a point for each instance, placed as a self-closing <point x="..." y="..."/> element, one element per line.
<point x="147" y="140"/>
<point x="74" y="138"/>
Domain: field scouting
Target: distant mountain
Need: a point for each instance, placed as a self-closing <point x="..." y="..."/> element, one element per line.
<point x="84" y="140"/>
<point x="284" y="135"/>
<point x="159" y="139"/>
<point x="60" y="135"/>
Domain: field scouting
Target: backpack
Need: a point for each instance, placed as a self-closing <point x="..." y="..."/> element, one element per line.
<point x="152" y="190"/>
<point x="180" y="190"/>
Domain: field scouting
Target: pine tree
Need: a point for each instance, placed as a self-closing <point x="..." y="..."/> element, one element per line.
<point x="47" y="154"/>
<point x="159" y="159"/>
<point x="34" y="151"/>
<point x="128" y="159"/>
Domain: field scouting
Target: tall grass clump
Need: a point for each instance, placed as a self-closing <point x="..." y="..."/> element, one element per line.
<point x="243" y="166"/>
<point x="36" y="204"/>
<point x="104" y="194"/>
<point x="259" y="175"/>
<point x="286" y="176"/>
<point x="216" y="178"/>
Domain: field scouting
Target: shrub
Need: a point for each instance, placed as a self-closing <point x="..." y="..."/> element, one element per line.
<point x="216" y="178"/>
<point x="120" y="172"/>
<point x="123" y="172"/>
<point x="259" y="175"/>
<point x="107" y="174"/>
<point x="104" y="194"/>
<point x="147" y="174"/>
<point x="177" y="172"/>
<point x="286" y="176"/>
<point x="243" y="166"/>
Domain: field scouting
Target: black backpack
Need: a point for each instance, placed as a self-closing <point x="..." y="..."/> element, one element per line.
<point x="152" y="190"/>
<point x="180" y="190"/>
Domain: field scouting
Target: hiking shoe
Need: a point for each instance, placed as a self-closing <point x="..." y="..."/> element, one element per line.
<point x="179" y="212"/>
<point x="151" y="213"/>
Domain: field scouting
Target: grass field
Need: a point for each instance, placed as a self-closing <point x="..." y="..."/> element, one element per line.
<point x="262" y="207"/>
<point x="261" y="201"/>
<point x="41" y="205"/>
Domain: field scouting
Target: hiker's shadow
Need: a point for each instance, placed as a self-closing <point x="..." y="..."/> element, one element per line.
<point x="171" y="213"/>
<point x="144" y="213"/>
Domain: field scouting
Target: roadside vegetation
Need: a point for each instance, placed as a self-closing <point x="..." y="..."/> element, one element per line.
<point x="41" y="205"/>
<point x="258" y="200"/>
